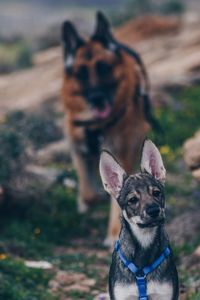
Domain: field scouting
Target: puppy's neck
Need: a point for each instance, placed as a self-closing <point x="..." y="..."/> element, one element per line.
<point x="142" y="245"/>
<point x="144" y="236"/>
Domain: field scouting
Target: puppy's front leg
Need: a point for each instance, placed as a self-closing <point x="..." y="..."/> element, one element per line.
<point x="161" y="297"/>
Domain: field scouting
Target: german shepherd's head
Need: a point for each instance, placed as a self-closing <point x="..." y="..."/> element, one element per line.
<point x="98" y="75"/>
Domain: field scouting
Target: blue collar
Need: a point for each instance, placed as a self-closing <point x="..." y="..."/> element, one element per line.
<point x="140" y="274"/>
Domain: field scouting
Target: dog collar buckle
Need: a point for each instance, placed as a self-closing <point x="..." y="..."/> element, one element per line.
<point x="140" y="275"/>
<point x="142" y="287"/>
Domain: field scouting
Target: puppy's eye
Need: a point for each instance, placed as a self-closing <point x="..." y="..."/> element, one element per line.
<point x="82" y="73"/>
<point x="103" y="68"/>
<point x="133" y="200"/>
<point x="156" y="193"/>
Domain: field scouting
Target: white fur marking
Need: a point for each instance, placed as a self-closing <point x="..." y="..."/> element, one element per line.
<point x="69" y="61"/>
<point x="145" y="236"/>
<point x="156" y="289"/>
<point x="112" y="47"/>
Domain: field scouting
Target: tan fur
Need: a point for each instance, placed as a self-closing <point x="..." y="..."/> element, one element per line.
<point x="124" y="139"/>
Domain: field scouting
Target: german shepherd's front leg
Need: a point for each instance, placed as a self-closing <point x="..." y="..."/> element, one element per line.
<point x="114" y="224"/>
<point x="85" y="168"/>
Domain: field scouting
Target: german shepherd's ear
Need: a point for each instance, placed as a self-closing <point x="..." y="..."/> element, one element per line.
<point x="71" y="39"/>
<point x="102" y="31"/>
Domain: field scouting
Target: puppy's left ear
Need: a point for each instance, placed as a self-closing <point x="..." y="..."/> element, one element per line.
<point x="112" y="174"/>
<point x="151" y="161"/>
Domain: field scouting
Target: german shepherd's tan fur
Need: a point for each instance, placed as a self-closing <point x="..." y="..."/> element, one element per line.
<point x="124" y="136"/>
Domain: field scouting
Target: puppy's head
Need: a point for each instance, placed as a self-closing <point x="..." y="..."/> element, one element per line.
<point x="140" y="196"/>
<point x="94" y="71"/>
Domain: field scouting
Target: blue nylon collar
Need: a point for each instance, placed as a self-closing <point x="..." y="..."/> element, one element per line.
<point x="140" y="274"/>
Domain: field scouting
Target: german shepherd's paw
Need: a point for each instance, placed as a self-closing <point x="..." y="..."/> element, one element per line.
<point x="82" y="207"/>
<point x="110" y="241"/>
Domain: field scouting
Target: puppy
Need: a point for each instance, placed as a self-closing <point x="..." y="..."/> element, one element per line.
<point x="106" y="107"/>
<point x="142" y="264"/>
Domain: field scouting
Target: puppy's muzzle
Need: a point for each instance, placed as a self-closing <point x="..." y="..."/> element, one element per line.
<point x="153" y="211"/>
<point x="154" y="215"/>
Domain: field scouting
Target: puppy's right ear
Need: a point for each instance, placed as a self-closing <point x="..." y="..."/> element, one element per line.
<point x="151" y="161"/>
<point x="112" y="174"/>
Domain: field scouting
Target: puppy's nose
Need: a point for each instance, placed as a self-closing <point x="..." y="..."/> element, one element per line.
<point x="153" y="210"/>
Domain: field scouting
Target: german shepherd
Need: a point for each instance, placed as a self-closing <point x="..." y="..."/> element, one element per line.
<point x="105" y="94"/>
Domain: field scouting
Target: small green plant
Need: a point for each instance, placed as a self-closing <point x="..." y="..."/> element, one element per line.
<point x="11" y="152"/>
<point x="195" y="297"/>
<point x="19" y="282"/>
<point x="14" y="56"/>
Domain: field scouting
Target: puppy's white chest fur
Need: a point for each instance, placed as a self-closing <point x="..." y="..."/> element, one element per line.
<point x="155" y="291"/>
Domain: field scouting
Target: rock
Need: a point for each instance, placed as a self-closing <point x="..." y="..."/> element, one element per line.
<point x="77" y="288"/>
<point x="197" y="252"/>
<point x="53" y="285"/>
<point x="89" y="282"/>
<point x="68" y="278"/>
<point x="38" y="264"/>
<point x="44" y="173"/>
<point x="148" y="26"/>
<point x="181" y="227"/>
<point x="70" y="183"/>
<point x="191" y="152"/>
<point x="48" y="153"/>
<point x="71" y="281"/>
<point x="192" y="262"/>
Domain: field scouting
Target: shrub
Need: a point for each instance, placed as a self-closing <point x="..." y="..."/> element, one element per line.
<point x="172" y="7"/>
<point x="14" y="55"/>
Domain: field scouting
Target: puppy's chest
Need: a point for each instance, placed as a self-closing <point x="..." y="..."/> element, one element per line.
<point x="155" y="290"/>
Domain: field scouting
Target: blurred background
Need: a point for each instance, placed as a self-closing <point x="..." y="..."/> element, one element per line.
<point x="44" y="253"/>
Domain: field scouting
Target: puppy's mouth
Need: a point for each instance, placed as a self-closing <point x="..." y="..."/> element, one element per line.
<point x="152" y="223"/>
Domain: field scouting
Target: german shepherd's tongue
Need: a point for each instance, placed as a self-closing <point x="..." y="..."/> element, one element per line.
<point x="102" y="113"/>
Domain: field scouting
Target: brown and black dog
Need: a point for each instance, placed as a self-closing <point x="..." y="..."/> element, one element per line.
<point x="103" y="94"/>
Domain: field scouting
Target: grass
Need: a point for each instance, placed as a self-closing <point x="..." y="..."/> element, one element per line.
<point x="195" y="297"/>
<point x="36" y="230"/>
<point x="19" y="282"/>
